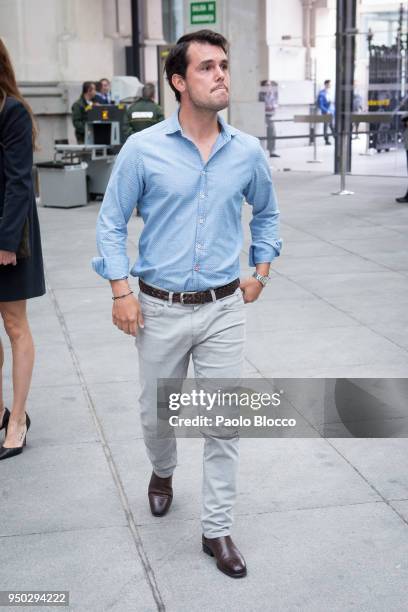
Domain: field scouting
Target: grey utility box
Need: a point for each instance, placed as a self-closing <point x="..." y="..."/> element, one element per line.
<point x="62" y="185"/>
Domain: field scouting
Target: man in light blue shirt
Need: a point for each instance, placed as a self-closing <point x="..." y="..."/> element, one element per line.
<point x="189" y="176"/>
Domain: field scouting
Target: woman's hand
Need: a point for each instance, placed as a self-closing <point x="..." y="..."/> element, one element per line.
<point x="7" y="257"/>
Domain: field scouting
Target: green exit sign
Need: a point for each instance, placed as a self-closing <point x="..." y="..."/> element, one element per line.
<point x="202" y="13"/>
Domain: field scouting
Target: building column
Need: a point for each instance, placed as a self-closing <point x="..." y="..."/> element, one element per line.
<point x="308" y="31"/>
<point x="153" y="36"/>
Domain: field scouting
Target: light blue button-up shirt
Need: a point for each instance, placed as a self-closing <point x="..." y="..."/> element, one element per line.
<point x="191" y="210"/>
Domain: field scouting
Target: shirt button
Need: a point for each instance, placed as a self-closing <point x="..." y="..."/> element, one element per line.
<point x="201" y="219"/>
<point x="203" y="172"/>
<point x="202" y="195"/>
<point x="198" y="245"/>
<point x="196" y="268"/>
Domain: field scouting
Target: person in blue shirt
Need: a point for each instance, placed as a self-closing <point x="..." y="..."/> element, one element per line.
<point x="189" y="176"/>
<point x="326" y="106"/>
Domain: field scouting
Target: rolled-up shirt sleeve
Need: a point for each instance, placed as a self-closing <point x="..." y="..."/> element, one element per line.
<point x="260" y="194"/>
<point x="124" y="189"/>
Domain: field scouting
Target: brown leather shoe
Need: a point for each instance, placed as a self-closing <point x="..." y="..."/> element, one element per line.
<point x="229" y="559"/>
<point x="160" y="494"/>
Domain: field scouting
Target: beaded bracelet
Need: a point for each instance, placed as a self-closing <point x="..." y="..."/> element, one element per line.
<point x="118" y="297"/>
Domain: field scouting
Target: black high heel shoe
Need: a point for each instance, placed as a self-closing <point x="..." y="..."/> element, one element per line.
<point x="5" y="453"/>
<point x="6" y="416"/>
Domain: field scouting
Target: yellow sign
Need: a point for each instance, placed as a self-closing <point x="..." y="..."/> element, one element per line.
<point x="105" y="115"/>
<point x="379" y="102"/>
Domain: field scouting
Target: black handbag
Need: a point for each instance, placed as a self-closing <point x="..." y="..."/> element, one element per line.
<point x="24" y="248"/>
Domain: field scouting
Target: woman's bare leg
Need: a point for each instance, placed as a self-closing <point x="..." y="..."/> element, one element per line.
<point x="15" y="321"/>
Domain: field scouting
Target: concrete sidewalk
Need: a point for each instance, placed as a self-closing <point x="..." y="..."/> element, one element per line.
<point x="323" y="523"/>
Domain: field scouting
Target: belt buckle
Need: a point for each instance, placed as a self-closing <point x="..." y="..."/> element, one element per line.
<point x="183" y="293"/>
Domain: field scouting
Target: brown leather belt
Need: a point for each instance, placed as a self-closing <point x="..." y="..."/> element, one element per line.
<point x="191" y="297"/>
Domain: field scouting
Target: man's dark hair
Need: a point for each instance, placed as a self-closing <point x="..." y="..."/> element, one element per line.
<point x="100" y="82"/>
<point x="148" y="91"/>
<point x="86" y="86"/>
<point x="177" y="62"/>
<point x="327" y="81"/>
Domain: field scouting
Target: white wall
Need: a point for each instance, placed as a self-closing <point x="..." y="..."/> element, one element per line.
<point x="85" y="52"/>
<point x="20" y="22"/>
<point x="325" y="50"/>
<point x="56" y="40"/>
<point x="286" y="58"/>
<point x="61" y="43"/>
<point x="287" y="66"/>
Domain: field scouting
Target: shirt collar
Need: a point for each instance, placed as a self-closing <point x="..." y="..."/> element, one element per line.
<point x="226" y="128"/>
<point x="173" y="126"/>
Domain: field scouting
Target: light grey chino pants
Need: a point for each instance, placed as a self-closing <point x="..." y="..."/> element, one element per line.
<point x="213" y="334"/>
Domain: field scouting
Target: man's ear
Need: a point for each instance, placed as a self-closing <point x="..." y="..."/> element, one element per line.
<point x="178" y="82"/>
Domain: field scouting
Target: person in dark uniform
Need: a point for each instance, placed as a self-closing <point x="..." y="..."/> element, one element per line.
<point x="21" y="264"/>
<point x="144" y="112"/>
<point x="80" y="107"/>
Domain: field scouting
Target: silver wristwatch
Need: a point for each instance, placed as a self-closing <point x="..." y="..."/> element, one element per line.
<point x="262" y="279"/>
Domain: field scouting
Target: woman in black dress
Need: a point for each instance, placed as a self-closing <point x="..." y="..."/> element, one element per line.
<point x="21" y="265"/>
